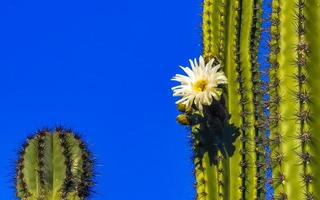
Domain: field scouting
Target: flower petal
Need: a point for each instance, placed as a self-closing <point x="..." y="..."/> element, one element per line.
<point x="207" y="73"/>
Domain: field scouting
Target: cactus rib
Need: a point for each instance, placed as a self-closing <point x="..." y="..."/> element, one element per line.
<point x="302" y="114"/>
<point x="285" y="117"/>
<point x="257" y="90"/>
<point x="275" y="99"/>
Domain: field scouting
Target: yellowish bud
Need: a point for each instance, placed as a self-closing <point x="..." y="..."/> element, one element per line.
<point x="183" y="119"/>
<point x="181" y="107"/>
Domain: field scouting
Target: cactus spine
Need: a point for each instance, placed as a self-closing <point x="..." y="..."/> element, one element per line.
<point x="54" y="165"/>
<point x="294" y="105"/>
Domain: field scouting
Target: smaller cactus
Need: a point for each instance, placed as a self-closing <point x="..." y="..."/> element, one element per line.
<point x="54" y="165"/>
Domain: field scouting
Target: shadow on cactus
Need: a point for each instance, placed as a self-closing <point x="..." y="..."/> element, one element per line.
<point x="54" y="164"/>
<point x="214" y="133"/>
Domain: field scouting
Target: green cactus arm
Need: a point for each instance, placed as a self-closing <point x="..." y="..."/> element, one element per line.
<point x="312" y="13"/>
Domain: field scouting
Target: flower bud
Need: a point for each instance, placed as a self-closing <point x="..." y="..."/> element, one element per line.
<point x="181" y="107"/>
<point x="183" y="119"/>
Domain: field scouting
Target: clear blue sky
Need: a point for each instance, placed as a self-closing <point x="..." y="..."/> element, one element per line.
<point x="101" y="67"/>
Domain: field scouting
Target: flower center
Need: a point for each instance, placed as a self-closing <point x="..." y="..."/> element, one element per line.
<point x="200" y="85"/>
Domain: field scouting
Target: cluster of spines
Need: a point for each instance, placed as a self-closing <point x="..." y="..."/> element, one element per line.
<point x="257" y="90"/>
<point x="302" y="96"/>
<point x="274" y="102"/>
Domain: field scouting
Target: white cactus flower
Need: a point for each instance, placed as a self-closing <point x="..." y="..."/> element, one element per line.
<point x="200" y="86"/>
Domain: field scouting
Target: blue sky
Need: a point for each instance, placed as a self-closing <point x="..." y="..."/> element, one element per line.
<point x="101" y="67"/>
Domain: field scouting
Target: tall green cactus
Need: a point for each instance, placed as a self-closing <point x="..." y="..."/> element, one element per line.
<point x="231" y="33"/>
<point x="239" y="33"/>
<point x="228" y="167"/>
<point x="54" y="165"/>
<point x="294" y="92"/>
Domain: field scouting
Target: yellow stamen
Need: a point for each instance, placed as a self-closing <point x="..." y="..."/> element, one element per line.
<point x="200" y="85"/>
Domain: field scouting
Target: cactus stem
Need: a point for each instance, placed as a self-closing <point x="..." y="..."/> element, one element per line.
<point x="54" y="165"/>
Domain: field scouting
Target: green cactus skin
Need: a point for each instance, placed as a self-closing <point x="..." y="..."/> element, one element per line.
<point x="295" y="58"/>
<point x="54" y="165"/>
<point x="231" y="33"/>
